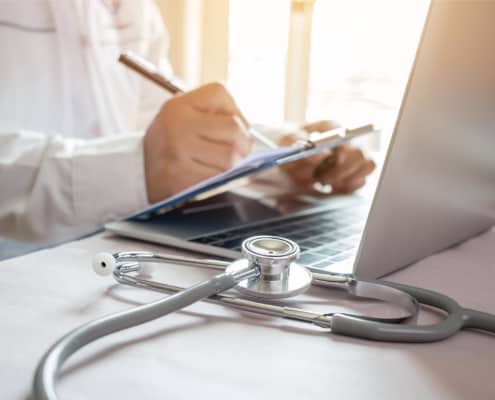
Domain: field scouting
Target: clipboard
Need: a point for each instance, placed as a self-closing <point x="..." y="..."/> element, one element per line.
<point x="254" y="164"/>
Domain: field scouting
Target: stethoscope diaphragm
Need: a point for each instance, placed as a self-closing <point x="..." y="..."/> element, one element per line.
<point x="279" y="276"/>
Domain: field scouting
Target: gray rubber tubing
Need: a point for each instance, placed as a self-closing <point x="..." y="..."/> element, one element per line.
<point x="475" y="319"/>
<point x="49" y="366"/>
<point x="456" y="319"/>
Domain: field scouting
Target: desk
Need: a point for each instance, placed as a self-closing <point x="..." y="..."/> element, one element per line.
<point x="211" y="352"/>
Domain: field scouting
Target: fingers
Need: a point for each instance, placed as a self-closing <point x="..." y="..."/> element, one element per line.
<point x="228" y="130"/>
<point x="215" y="155"/>
<point x="288" y="139"/>
<point x="344" y="168"/>
<point x="328" y="163"/>
<point x="302" y="171"/>
<point x="349" y="187"/>
<point x="356" y="180"/>
<point x="301" y="174"/>
<point x="367" y="167"/>
<point x="321" y="126"/>
<point x="348" y="171"/>
<point x="342" y="164"/>
<point x="214" y="141"/>
<point x="191" y="173"/>
<point x="194" y="136"/>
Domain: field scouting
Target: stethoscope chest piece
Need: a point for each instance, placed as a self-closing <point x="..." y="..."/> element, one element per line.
<point x="279" y="276"/>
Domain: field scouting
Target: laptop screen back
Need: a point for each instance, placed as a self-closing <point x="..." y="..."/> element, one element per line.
<point x="437" y="187"/>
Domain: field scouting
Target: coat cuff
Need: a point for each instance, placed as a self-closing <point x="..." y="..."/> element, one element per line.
<point x="109" y="181"/>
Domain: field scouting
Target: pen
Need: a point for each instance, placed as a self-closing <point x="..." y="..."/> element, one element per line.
<point x="151" y="72"/>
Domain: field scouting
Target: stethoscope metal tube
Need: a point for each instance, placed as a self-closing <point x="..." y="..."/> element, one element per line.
<point x="361" y="289"/>
<point x="230" y="300"/>
<point x="52" y="361"/>
<point x="371" y="328"/>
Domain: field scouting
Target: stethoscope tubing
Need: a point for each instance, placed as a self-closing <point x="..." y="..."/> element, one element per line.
<point x="474" y="319"/>
<point x="452" y="323"/>
<point x="51" y="363"/>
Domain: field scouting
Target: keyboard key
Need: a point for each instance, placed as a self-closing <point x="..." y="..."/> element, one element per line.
<point x="328" y="226"/>
<point x="322" y="235"/>
<point x="317" y="232"/>
<point x="203" y="240"/>
<point x="272" y="225"/>
<point x="281" y="232"/>
<point x="297" y="236"/>
<point x="342" y="246"/>
<point x="221" y="236"/>
<point x="310" y="258"/>
<point x="309" y="243"/>
<point x="348" y="230"/>
<point x="341" y="257"/>
<point x="230" y="244"/>
<point x="243" y="231"/>
<point x="329" y="237"/>
<point x="352" y="240"/>
<point x="328" y="250"/>
<point x="323" y="264"/>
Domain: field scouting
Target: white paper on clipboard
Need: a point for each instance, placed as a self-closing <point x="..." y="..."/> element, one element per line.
<point x="255" y="163"/>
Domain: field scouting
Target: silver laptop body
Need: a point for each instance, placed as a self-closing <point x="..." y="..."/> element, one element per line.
<point x="437" y="187"/>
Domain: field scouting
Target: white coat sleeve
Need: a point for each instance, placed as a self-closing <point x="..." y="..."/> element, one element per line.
<point x="55" y="189"/>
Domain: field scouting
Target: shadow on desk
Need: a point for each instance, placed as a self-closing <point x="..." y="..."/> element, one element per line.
<point x="13" y="248"/>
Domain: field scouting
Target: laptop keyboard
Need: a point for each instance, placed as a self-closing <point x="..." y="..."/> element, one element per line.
<point x="324" y="238"/>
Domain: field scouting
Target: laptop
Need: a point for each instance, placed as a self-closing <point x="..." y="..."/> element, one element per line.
<point x="436" y="189"/>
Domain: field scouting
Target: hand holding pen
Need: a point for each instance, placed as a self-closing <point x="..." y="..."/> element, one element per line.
<point x="195" y="135"/>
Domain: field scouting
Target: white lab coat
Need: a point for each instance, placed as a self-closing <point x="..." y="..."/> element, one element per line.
<point x="71" y="117"/>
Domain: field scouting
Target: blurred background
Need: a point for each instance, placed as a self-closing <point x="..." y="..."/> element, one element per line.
<point x="297" y="60"/>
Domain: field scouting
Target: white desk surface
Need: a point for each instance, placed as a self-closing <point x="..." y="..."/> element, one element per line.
<point x="211" y="352"/>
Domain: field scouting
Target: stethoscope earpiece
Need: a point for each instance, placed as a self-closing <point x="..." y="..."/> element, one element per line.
<point x="104" y="263"/>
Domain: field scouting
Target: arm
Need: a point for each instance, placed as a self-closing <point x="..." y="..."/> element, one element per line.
<point x="58" y="189"/>
<point x="53" y="188"/>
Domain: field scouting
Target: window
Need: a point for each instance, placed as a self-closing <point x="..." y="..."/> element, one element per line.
<point x="359" y="57"/>
<point x="300" y="59"/>
<point x="257" y="57"/>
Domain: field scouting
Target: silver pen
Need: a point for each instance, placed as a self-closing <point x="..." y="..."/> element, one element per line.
<point x="151" y="72"/>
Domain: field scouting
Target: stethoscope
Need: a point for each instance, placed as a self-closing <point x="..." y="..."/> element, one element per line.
<point x="267" y="272"/>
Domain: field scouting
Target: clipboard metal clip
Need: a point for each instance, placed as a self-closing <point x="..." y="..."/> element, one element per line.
<point x="334" y="135"/>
